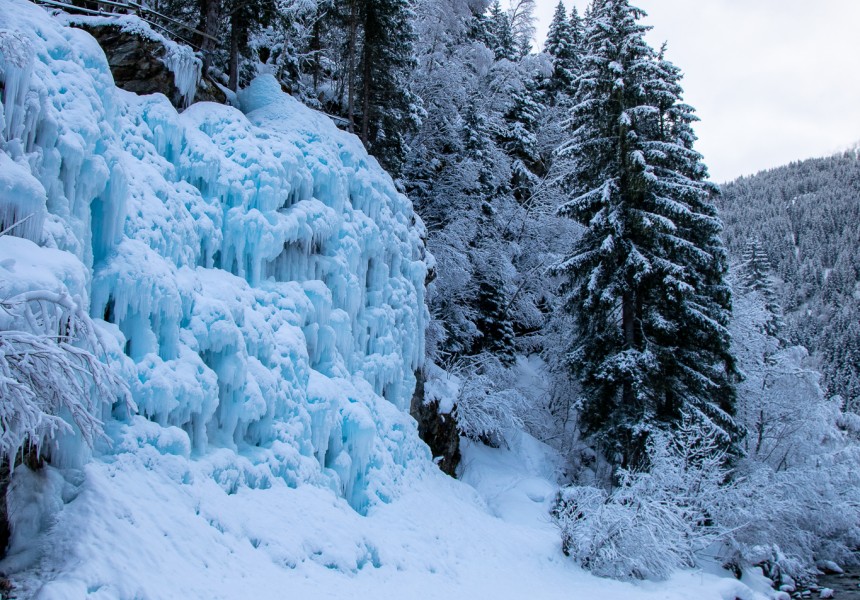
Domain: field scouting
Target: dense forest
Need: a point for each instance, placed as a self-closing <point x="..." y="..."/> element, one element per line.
<point x="804" y="219"/>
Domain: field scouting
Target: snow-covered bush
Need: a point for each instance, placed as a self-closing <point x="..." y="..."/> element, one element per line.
<point x="489" y="402"/>
<point x="795" y="496"/>
<point x="654" y="521"/>
<point x="622" y="534"/>
<point x="782" y="514"/>
<point x="790" y="518"/>
<point x="51" y="378"/>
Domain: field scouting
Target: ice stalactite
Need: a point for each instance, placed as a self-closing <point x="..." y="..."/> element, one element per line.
<point x="186" y="68"/>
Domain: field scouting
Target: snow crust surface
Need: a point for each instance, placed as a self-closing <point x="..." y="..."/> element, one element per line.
<point x="151" y="524"/>
<point x="260" y="282"/>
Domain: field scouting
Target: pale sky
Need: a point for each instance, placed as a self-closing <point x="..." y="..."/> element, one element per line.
<point x="773" y="81"/>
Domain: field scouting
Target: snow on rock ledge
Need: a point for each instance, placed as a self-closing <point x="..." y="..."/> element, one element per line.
<point x="142" y="60"/>
<point x="260" y="272"/>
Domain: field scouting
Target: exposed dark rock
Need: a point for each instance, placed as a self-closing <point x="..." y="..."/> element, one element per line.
<point x="137" y="64"/>
<point x="5" y="532"/>
<point x="6" y="588"/>
<point x="439" y="431"/>
<point x="207" y="91"/>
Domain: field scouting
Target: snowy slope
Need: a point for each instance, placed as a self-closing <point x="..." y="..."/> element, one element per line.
<point x="153" y="525"/>
<point x="258" y="281"/>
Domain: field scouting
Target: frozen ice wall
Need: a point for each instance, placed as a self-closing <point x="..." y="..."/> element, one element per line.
<point x="260" y="273"/>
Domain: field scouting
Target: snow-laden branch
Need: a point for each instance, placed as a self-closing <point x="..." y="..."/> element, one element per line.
<point x="52" y="380"/>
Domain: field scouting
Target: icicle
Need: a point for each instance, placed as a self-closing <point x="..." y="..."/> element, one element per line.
<point x="22" y="201"/>
<point x="186" y="69"/>
<point x="257" y="271"/>
<point x="16" y="67"/>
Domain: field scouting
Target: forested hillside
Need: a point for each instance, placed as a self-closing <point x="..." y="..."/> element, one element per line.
<point x="805" y="218"/>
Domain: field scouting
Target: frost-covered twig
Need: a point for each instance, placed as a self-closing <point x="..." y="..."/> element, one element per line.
<point x="51" y="378"/>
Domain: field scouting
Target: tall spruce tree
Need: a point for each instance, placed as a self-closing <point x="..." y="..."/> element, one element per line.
<point x="500" y="37"/>
<point x="561" y="47"/>
<point x="577" y="32"/>
<point x="519" y="139"/>
<point x="558" y="35"/>
<point x="645" y="281"/>
<point x="757" y="275"/>
<point x="389" y="111"/>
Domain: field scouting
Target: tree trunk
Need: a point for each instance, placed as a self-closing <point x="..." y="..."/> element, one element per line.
<point x="350" y="87"/>
<point x="210" y="11"/>
<point x="367" y="81"/>
<point x="235" y="32"/>
<point x="628" y="394"/>
<point x="628" y="319"/>
<point x="316" y="51"/>
<point x="5" y="530"/>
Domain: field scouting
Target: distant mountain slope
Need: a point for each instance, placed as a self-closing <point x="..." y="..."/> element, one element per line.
<point x="807" y="216"/>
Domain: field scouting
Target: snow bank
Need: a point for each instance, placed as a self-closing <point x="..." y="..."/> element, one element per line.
<point x="151" y="524"/>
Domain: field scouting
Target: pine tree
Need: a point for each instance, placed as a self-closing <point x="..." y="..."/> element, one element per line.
<point x="558" y="35"/>
<point x="577" y="32"/>
<point x="646" y="279"/>
<point x="561" y="46"/>
<point x="479" y="28"/>
<point x="757" y="275"/>
<point x="519" y="139"/>
<point x="389" y="110"/>
<point x="501" y="38"/>
<point x="494" y="322"/>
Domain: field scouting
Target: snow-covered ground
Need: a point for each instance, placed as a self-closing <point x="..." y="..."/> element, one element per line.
<point x="257" y="280"/>
<point x="150" y="525"/>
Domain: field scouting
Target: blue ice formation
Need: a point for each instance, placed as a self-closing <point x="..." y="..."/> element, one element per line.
<point x="260" y="273"/>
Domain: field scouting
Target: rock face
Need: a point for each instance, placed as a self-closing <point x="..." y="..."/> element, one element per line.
<point x="140" y="65"/>
<point x="439" y="431"/>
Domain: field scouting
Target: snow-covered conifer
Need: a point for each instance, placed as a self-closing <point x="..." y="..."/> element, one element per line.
<point x="389" y="110"/>
<point x="562" y="47"/>
<point x="646" y="279"/>
<point x="757" y="275"/>
<point x="501" y="35"/>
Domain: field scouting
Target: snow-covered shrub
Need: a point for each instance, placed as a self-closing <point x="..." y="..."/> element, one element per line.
<point x="654" y="521"/>
<point x="51" y="378"/>
<point x="489" y="402"/>
<point x="795" y="496"/>
<point x="783" y="516"/>
<point x="622" y="534"/>
<point x="797" y="515"/>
